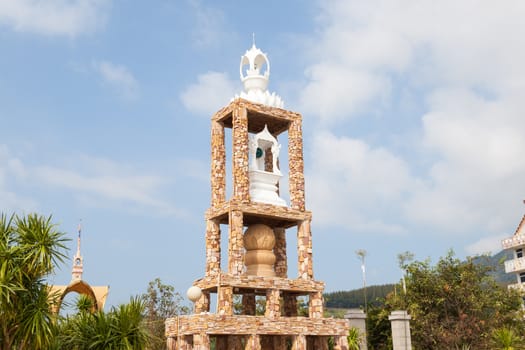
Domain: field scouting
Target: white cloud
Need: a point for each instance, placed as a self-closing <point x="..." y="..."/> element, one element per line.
<point x="54" y="17"/>
<point x="97" y="182"/>
<point x="337" y="92"/>
<point x="479" y="144"/>
<point x="473" y="132"/>
<point x="363" y="46"/>
<point x="118" y="77"/>
<point x="465" y="61"/>
<point x="104" y="180"/>
<point x="348" y="181"/>
<point x="490" y="245"/>
<point x="212" y="91"/>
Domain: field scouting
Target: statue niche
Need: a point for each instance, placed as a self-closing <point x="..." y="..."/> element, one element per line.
<point x="264" y="172"/>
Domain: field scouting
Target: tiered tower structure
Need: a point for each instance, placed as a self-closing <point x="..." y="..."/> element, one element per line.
<point x="256" y="220"/>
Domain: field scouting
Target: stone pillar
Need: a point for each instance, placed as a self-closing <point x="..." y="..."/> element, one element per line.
<point x="254" y="342"/>
<point x="201" y="342"/>
<point x="248" y="304"/>
<point x="225" y="300"/>
<point x="273" y="303"/>
<point x="213" y="248"/>
<point x="203" y="304"/>
<point x="304" y="250"/>
<point x="281" y="262"/>
<point x="299" y="342"/>
<point x="315" y="305"/>
<point x="400" y="321"/>
<point x="171" y="343"/>
<point x="340" y="343"/>
<point x="241" y="183"/>
<point x="236" y="245"/>
<point x="357" y="319"/>
<point x="218" y="165"/>
<point x="290" y="305"/>
<point x="296" y="165"/>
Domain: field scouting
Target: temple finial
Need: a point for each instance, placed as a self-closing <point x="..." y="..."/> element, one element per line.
<point x="253" y="39"/>
<point x="76" y="273"/>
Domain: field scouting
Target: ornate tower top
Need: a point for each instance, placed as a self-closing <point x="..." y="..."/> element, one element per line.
<point x="78" y="260"/>
<point x="255" y="74"/>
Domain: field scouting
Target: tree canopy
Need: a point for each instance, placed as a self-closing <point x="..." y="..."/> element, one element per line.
<point x="160" y="301"/>
<point x="455" y="304"/>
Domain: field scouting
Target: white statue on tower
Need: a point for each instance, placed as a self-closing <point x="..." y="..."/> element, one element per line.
<point x="255" y="73"/>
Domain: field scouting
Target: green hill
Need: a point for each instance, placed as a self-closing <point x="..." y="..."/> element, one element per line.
<point x="356" y="298"/>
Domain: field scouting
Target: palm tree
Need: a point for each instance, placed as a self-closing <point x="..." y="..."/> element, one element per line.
<point x="85" y="304"/>
<point x="30" y="248"/>
<point x="122" y="328"/>
<point x="507" y="339"/>
<point x="354" y="339"/>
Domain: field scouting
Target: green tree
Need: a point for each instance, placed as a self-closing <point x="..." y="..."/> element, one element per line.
<point x="378" y="328"/>
<point x="455" y="304"/>
<point x="161" y="302"/>
<point x="30" y="248"/>
<point x="122" y="328"/>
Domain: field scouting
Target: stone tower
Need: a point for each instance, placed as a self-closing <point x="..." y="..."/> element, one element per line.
<point x="255" y="221"/>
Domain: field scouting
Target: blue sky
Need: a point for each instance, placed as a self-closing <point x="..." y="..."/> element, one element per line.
<point x="412" y="116"/>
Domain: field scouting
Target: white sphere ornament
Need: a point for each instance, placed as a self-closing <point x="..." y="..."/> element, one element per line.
<point x="194" y="293"/>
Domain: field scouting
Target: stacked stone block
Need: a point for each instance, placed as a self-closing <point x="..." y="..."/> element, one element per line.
<point x="304" y="250"/>
<point x="273" y="305"/>
<point x="218" y="163"/>
<point x="295" y="154"/>
<point x="241" y="183"/>
<point x="236" y="246"/>
<point x="213" y="247"/>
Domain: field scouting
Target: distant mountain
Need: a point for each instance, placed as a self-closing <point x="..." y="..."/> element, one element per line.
<point x="375" y="294"/>
<point x="355" y="298"/>
<point x="496" y="262"/>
